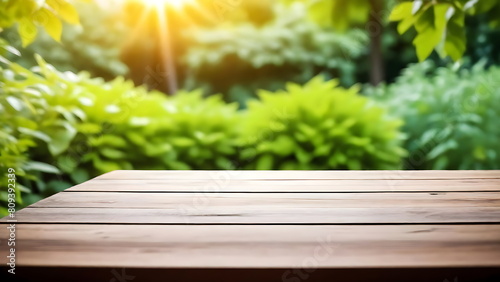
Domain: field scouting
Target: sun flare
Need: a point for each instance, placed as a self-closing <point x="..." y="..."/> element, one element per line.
<point x="163" y="3"/>
<point x="163" y="16"/>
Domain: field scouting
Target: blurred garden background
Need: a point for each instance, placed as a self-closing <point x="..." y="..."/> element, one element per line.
<point x="87" y="87"/>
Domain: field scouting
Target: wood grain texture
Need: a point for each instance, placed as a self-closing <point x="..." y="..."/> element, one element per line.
<point x="266" y="220"/>
<point x="257" y="246"/>
<point x="257" y="215"/>
<point x="305" y="175"/>
<point x="276" y="186"/>
<point x="268" y="200"/>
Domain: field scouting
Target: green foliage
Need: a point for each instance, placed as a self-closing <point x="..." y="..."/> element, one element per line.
<point x="182" y="132"/>
<point x="319" y="126"/>
<point x="81" y="127"/>
<point x="29" y="14"/>
<point x="440" y="24"/>
<point x="18" y="132"/>
<point x="451" y="118"/>
<point x="93" y="46"/>
<point x="288" y="48"/>
<point x="339" y="14"/>
<point x="483" y="41"/>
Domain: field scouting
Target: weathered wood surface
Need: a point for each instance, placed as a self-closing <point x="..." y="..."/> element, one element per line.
<point x="266" y="219"/>
<point x="277" y="186"/>
<point x="269" y="200"/>
<point x="301" y="174"/>
<point x="257" y="215"/>
<point x="258" y="246"/>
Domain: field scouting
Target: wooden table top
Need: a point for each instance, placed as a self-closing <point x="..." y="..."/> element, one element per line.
<point x="266" y="219"/>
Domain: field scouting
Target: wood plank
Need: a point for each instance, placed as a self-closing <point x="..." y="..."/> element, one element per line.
<point x="268" y="200"/>
<point x="256" y="246"/>
<point x="284" y="174"/>
<point x="208" y="186"/>
<point x="257" y="215"/>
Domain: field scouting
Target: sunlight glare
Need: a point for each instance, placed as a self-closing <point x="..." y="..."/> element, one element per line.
<point x="163" y="3"/>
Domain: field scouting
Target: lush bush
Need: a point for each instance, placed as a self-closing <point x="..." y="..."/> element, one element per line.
<point x="319" y="126"/>
<point x="451" y="117"/>
<point x="20" y="132"/>
<point x="183" y="132"/>
<point x="17" y="133"/>
<point x="288" y="48"/>
<point x="81" y="127"/>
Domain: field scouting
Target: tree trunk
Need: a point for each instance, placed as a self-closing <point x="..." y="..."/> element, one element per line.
<point x="375" y="30"/>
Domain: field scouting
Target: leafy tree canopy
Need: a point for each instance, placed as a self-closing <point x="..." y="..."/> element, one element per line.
<point x="30" y="14"/>
<point x="439" y="24"/>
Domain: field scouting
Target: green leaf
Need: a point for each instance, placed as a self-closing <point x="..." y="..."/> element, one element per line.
<point x="405" y="24"/>
<point x="64" y="10"/>
<point x="4" y="60"/>
<point x="67" y="163"/>
<point x="50" y="22"/>
<point x="283" y="145"/>
<point x="178" y="165"/>
<point x="455" y="47"/>
<point x="303" y="156"/>
<point x="479" y="153"/>
<point x="106" y="166"/>
<point x="441" y="163"/>
<point x="264" y="162"/>
<point x="42" y="167"/>
<point x="61" y="138"/>
<point x="27" y="31"/>
<point x="155" y="150"/>
<point x="429" y="34"/>
<point x="3" y="211"/>
<point x="79" y="175"/>
<point x="417" y="4"/>
<point x="455" y="41"/>
<point x="112" y="153"/>
<point x="440" y="16"/>
<point x="12" y="50"/>
<point x="182" y="141"/>
<point x="15" y="103"/>
<point x="354" y="164"/>
<point x="108" y="139"/>
<point x="37" y="134"/>
<point x="401" y="11"/>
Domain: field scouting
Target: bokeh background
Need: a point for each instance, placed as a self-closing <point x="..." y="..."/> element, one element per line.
<point x="87" y="87"/>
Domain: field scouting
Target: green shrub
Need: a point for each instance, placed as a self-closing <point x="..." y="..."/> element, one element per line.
<point x="319" y="126"/>
<point x="288" y="48"/>
<point x="21" y="131"/>
<point x="81" y="127"/>
<point x="182" y="132"/>
<point x="451" y="117"/>
<point x="59" y="129"/>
